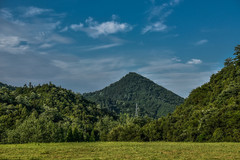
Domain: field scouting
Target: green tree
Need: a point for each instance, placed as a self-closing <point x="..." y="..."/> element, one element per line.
<point x="237" y="53"/>
<point x="228" y="61"/>
<point x="69" y="136"/>
<point x="92" y="137"/>
<point x="218" y="135"/>
<point x="76" y="135"/>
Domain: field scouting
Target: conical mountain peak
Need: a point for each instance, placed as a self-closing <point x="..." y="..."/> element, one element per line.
<point x="122" y="96"/>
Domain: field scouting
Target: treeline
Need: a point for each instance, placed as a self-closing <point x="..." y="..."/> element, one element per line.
<point x="7" y="86"/>
<point x="47" y="114"/>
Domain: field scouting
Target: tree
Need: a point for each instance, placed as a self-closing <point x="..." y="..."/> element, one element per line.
<point x="218" y="135"/>
<point x="237" y="53"/>
<point x="228" y="61"/>
<point x="69" y="137"/>
<point x="92" y="137"/>
<point x="76" y="135"/>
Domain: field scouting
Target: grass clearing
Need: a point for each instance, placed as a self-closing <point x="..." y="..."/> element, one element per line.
<point x="120" y="150"/>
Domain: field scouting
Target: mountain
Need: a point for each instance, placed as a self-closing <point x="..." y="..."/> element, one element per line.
<point x="47" y="113"/>
<point x="210" y="113"/>
<point x="133" y="89"/>
<point x="7" y="86"/>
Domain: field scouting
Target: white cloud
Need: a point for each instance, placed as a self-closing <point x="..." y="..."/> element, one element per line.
<point x="34" y="11"/>
<point x="176" y="59"/>
<point x="174" y="2"/>
<point x="157" y="15"/>
<point x="156" y="27"/>
<point x="46" y="45"/>
<point x="114" y="17"/>
<point x="109" y="28"/>
<point x="38" y="33"/>
<point x="5" y="13"/>
<point x="64" y="29"/>
<point x="95" y="29"/>
<point x="103" y="46"/>
<point x="157" y="11"/>
<point x="60" y="64"/>
<point x="58" y="38"/>
<point x="201" y="42"/>
<point x="13" y="44"/>
<point x="9" y="41"/>
<point x="194" y="61"/>
<point x="76" y="27"/>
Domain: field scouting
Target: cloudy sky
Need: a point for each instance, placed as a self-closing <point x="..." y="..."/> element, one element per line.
<point x="85" y="45"/>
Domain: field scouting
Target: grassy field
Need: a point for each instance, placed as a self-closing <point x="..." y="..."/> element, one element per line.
<point x="121" y="150"/>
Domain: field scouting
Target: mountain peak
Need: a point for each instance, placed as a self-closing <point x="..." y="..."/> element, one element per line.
<point x="132" y="74"/>
<point x="122" y="96"/>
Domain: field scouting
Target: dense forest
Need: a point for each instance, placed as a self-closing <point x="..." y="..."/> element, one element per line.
<point x="47" y="113"/>
<point x="133" y="89"/>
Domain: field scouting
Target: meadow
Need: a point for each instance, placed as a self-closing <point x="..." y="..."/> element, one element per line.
<point x="120" y="150"/>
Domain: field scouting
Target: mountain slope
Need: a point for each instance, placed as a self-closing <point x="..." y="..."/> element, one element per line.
<point x="123" y="95"/>
<point x="47" y="114"/>
<point x="211" y="112"/>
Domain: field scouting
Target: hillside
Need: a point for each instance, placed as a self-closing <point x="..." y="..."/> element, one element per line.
<point x="123" y="95"/>
<point x="210" y="113"/>
<point x="47" y="114"/>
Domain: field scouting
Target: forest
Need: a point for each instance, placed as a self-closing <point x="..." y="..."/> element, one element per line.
<point x="134" y="90"/>
<point x="48" y="113"/>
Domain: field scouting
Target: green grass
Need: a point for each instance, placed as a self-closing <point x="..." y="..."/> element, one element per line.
<point x="121" y="150"/>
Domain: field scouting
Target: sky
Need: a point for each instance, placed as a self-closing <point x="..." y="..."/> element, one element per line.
<point x="85" y="45"/>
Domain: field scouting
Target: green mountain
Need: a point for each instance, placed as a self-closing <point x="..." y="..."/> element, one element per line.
<point x="47" y="114"/>
<point x="210" y="113"/>
<point x="133" y="89"/>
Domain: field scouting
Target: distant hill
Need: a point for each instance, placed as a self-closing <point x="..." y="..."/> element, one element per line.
<point x="134" y="89"/>
<point x="7" y="86"/>
<point x="47" y="113"/>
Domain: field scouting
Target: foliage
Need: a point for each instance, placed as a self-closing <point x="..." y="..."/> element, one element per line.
<point x="122" y="97"/>
<point x="7" y="86"/>
<point x="47" y="114"/>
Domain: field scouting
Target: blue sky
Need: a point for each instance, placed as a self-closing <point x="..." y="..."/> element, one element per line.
<point x="85" y="45"/>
